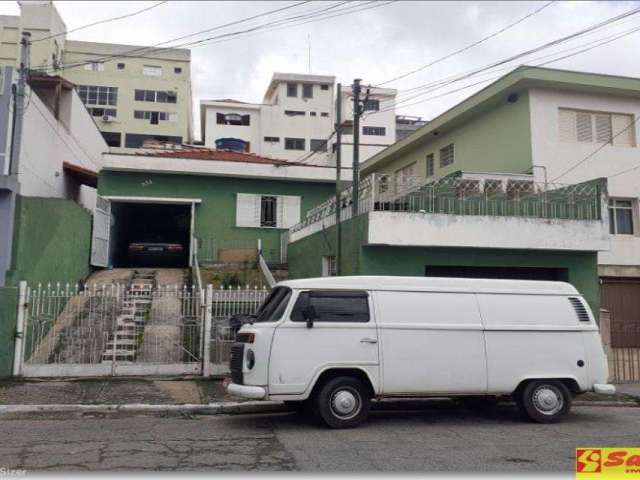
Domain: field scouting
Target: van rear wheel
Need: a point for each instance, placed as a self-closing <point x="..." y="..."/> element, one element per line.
<point x="545" y="401"/>
<point x="343" y="402"/>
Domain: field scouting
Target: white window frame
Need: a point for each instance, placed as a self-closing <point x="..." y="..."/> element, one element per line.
<point x="94" y="66"/>
<point x="152" y="70"/>
<point x="613" y="220"/>
<point x="329" y="266"/>
<point x="249" y="210"/>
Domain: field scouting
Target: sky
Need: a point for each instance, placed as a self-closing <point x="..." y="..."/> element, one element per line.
<point x="374" y="44"/>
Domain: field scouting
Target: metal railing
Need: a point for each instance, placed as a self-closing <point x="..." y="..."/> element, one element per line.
<point x="239" y="250"/>
<point x="458" y="195"/>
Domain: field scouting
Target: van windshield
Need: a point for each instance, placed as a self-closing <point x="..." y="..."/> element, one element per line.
<point x="274" y="305"/>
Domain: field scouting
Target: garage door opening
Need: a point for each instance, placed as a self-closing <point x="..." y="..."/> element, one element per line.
<point x="150" y="234"/>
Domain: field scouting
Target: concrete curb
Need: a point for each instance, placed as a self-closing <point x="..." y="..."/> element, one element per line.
<point x="218" y="408"/>
<point x="210" y="409"/>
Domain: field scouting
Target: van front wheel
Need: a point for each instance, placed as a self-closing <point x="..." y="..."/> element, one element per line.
<point x="545" y="401"/>
<point x="343" y="402"/>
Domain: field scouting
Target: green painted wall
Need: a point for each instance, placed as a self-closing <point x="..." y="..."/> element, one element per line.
<point x="52" y="241"/>
<point x="498" y="140"/>
<point x="8" y="306"/>
<point x="305" y="259"/>
<point x="216" y="215"/>
<point x="305" y="256"/>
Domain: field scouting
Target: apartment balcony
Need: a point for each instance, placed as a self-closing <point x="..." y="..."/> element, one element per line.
<point x="473" y="210"/>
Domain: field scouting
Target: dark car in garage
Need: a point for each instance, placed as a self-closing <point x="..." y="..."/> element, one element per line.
<point x="156" y="253"/>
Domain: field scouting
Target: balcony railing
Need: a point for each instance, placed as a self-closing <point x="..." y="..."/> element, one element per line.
<point x="497" y="195"/>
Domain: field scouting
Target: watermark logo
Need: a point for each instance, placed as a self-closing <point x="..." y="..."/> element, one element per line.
<point x="597" y="463"/>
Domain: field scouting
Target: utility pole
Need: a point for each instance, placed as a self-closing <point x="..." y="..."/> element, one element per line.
<point x="356" y="89"/>
<point x="338" y="130"/>
<point x="18" y="104"/>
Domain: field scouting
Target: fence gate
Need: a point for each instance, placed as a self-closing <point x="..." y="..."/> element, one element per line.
<point x="112" y="330"/>
<point x="133" y="329"/>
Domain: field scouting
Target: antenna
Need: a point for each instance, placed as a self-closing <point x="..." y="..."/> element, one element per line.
<point x="309" y="52"/>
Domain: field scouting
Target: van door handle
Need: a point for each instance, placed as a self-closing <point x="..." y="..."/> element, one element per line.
<point x="368" y="340"/>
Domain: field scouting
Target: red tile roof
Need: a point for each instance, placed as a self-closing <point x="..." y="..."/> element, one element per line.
<point x="218" y="155"/>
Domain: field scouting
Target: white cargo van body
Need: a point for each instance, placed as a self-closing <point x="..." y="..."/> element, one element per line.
<point x="412" y="336"/>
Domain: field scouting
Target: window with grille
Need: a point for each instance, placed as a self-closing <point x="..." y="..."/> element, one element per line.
<point x="307" y="90"/>
<point x="372" y="105"/>
<point x="294" y="144"/>
<point x="620" y="217"/>
<point x="318" y="145"/>
<point x="154" y="117"/>
<point x="379" y="131"/>
<point x="292" y="89"/>
<point x="596" y="127"/>
<point x="430" y="165"/>
<point x="324" y="86"/>
<point x="268" y="211"/>
<point x="446" y="155"/>
<point x="294" y="113"/>
<point x="329" y="266"/>
<point x="272" y="139"/>
<point x="100" y="111"/>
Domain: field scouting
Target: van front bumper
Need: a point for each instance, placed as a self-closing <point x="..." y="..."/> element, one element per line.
<point x="604" y="389"/>
<point x="247" y="391"/>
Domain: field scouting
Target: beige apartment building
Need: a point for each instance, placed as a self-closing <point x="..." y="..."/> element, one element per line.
<point x="135" y="94"/>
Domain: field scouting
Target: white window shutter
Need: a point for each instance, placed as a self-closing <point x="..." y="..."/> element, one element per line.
<point x="584" y="126"/>
<point x="567" y="125"/>
<point x="603" y="127"/>
<point x="247" y="210"/>
<point x="288" y="211"/>
<point x="624" y="132"/>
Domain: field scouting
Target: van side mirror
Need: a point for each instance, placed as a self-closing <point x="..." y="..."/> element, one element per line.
<point x="309" y="314"/>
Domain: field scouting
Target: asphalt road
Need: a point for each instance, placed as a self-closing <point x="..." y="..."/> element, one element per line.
<point x="438" y="438"/>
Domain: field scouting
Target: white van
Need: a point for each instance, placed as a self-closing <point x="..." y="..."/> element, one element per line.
<point x="333" y="344"/>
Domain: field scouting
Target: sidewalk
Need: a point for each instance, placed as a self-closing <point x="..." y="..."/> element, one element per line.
<point x="196" y="394"/>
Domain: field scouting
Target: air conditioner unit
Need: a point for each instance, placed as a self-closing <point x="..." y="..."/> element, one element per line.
<point x="107" y="118"/>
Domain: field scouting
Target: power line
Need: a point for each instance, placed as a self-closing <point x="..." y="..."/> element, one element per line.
<point x="217" y="27"/>
<point x="445" y="82"/>
<point x="468" y="47"/>
<point x="313" y="16"/>
<point x="99" y="22"/>
<point x="580" y="162"/>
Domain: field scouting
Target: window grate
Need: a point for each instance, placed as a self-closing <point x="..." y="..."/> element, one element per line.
<point x="579" y="308"/>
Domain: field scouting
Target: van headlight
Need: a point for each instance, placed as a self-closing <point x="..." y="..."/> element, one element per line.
<point x="251" y="359"/>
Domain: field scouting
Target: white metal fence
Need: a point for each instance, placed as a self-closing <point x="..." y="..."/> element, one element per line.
<point x="135" y="329"/>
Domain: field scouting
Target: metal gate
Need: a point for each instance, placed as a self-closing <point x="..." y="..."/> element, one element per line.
<point x="111" y="330"/>
<point x="101" y="233"/>
<point x="136" y="329"/>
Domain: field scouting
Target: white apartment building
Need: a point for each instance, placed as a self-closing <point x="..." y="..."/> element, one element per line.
<point x="296" y="119"/>
<point x="135" y="94"/>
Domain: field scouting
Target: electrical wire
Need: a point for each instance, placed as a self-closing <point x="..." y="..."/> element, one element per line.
<point x="558" y="41"/>
<point x="100" y="22"/>
<point x="468" y="75"/>
<point x="310" y="16"/>
<point x="468" y="47"/>
<point x="592" y="154"/>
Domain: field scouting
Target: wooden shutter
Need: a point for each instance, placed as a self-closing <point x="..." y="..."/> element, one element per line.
<point x="288" y="211"/>
<point x="603" y="127"/>
<point x="247" y="210"/>
<point x="567" y="125"/>
<point x="624" y="132"/>
<point x="584" y="127"/>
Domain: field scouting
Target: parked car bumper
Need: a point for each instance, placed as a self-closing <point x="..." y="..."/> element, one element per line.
<point x="247" y="391"/>
<point x="604" y="388"/>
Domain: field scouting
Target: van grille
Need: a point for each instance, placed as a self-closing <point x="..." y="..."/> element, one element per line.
<point x="578" y="306"/>
<point x="235" y="362"/>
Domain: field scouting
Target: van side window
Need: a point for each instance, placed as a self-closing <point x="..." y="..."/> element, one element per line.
<point x="333" y="306"/>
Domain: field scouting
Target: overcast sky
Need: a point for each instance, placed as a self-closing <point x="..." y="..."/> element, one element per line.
<point x="375" y="44"/>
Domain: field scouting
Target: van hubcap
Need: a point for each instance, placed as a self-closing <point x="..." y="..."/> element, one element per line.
<point x="547" y="400"/>
<point x="345" y="403"/>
